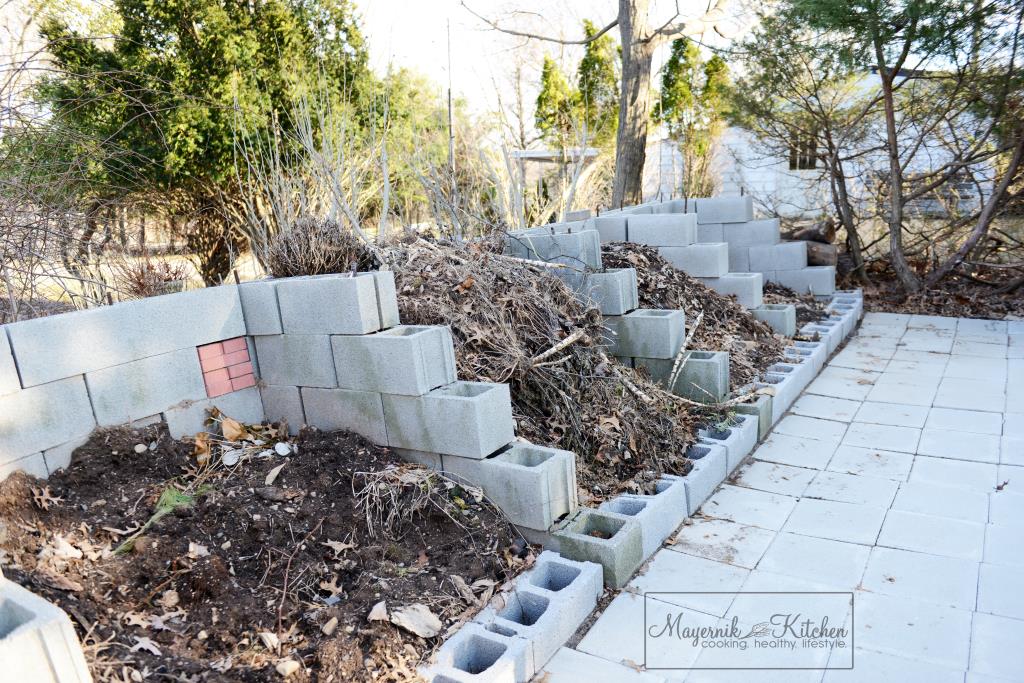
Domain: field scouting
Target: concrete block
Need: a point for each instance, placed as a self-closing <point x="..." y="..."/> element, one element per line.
<point x="530" y="615"/>
<point x="800" y="372"/>
<point x="761" y="410"/>
<point x="283" y="403"/>
<point x="790" y="255"/>
<point x="9" y="381"/>
<point x="781" y="317"/>
<point x="609" y="228"/>
<point x="704" y="376"/>
<point x="469" y="419"/>
<point x="408" y="359"/>
<point x="830" y="332"/>
<point x="739" y="259"/>
<point x="33" y="465"/>
<point x="387" y="296"/>
<point x="304" y="360"/>
<point x="725" y="209"/>
<point x="328" y="304"/>
<point x="59" y="457"/>
<point x="816" y="351"/>
<point x="856" y="303"/>
<point x="710" y="232"/>
<point x="476" y="654"/>
<point x="752" y="234"/>
<point x="579" y="250"/>
<point x="44" y="416"/>
<point x="360" y="412"/>
<point x="784" y="392"/>
<point x="699" y="260"/>
<point x="127" y="392"/>
<point x="817" y="280"/>
<point x="846" y="314"/>
<point x="638" y="209"/>
<point x="662" y="230"/>
<point x="578" y="215"/>
<point x="534" y="486"/>
<point x="854" y="293"/>
<point x="658" y="515"/>
<point x="59" y="346"/>
<point x="37" y="641"/>
<point x="671" y="206"/>
<point x="613" y="292"/>
<point x="746" y="287"/>
<point x="737" y="435"/>
<point x="189" y="417"/>
<point x="431" y="461"/>
<point x="647" y="333"/>
<point x="613" y="541"/>
<point x="259" y="307"/>
<point x="710" y="467"/>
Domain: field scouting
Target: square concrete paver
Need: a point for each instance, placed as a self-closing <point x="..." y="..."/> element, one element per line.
<point x="935" y="579"/>
<point x="978" y="346"/>
<point x="975" y="367"/>
<point x="996" y="646"/>
<point x="796" y="451"/>
<point x="837" y="521"/>
<point x="723" y="541"/>
<point x="970" y="394"/>
<point x="774" y="478"/>
<point x="870" y="462"/>
<point x="884" y="437"/>
<point x="915" y="388"/>
<point x="833" y="563"/>
<point x="959" y="445"/>
<point x="931" y="534"/>
<point x="942" y="500"/>
<point x="974" y="475"/>
<point x="747" y="506"/>
<point x="570" y="666"/>
<point x="913" y="629"/>
<point x="829" y="408"/>
<point x="1006" y="508"/>
<point x="970" y="421"/>
<point x="1013" y="424"/>
<point x="895" y="414"/>
<point x="871" y="667"/>
<point x="1011" y="450"/>
<point x="811" y="428"/>
<point x="843" y="383"/>
<point x="691" y="580"/>
<point x="851" y="488"/>
<point x="1003" y="546"/>
<point x="999" y="591"/>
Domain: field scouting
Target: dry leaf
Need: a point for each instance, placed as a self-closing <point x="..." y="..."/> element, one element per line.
<point x="57" y="581"/>
<point x="196" y="550"/>
<point x="233" y="430"/>
<point x="44" y="498"/>
<point x="338" y="547"/>
<point x="378" y="612"/>
<point x="202" y="448"/>
<point x="270" y="641"/>
<point x="328" y="628"/>
<point x="272" y="474"/>
<point x="287" y="667"/>
<point x="417" y="619"/>
<point x="169" y="599"/>
<point x="465" y="592"/>
<point x="143" y="643"/>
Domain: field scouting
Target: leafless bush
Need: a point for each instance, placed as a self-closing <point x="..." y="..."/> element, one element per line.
<point x="138" y="279"/>
<point x="314" y="247"/>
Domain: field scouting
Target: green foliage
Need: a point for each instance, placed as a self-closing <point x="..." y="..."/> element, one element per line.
<point x="555" y="109"/>
<point x="597" y="84"/>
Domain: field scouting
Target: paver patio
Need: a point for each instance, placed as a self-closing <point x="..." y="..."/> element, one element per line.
<point x="899" y="475"/>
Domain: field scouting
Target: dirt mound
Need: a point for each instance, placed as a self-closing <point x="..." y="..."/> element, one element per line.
<point x="808" y="309"/>
<point x="244" y="571"/>
<point x="724" y="325"/>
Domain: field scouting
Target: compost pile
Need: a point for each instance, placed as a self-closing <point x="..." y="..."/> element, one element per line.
<point x="724" y="324"/>
<point x="514" y="321"/>
<point x="227" y="560"/>
<point x="808" y="309"/>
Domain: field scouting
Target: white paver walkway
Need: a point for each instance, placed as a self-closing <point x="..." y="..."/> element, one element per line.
<point x="899" y="475"/>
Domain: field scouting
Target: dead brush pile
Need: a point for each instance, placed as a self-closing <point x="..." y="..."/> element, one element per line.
<point x="808" y="309"/>
<point x="515" y="322"/>
<point x="721" y="323"/>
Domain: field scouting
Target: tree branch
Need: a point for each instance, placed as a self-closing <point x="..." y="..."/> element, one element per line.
<point x="534" y="36"/>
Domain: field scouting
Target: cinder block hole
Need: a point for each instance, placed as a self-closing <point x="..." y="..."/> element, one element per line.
<point x="500" y="630"/>
<point x="477" y="654"/>
<point x="697" y="452"/>
<point x="12" y="617"/>
<point x="776" y="307"/>
<point x="718" y="433"/>
<point x="467" y="389"/>
<point x="800" y="352"/>
<point x="524" y="608"/>
<point x="782" y="369"/>
<point x="662" y="485"/>
<point x="653" y="312"/>
<point x="553" y="576"/>
<point x="627" y="506"/>
<point x="599" y="527"/>
<point x="441" y="678"/>
<point x="701" y="355"/>
<point x="527" y="457"/>
<point x="773" y="379"/>
<point x="405" y="330"/>
<point x="807" y="345"/>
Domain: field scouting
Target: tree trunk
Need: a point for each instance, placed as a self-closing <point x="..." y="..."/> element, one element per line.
<point x="634" y="103"/>
<point x="823" y="232"/>
<point x="819" y="254"/>
<point x="841" y="197"/>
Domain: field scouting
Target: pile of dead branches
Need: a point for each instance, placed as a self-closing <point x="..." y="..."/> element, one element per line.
<point x="724" y="324"/>
<point x="514" y="321"/>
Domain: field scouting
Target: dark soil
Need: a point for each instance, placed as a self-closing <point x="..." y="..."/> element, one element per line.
<point x="192" y="597"/>
<point x="957" y="296"/>
<point x="808" y="309"/>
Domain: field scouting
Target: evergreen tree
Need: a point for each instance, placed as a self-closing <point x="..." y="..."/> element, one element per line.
<point x="554" y="114"/>
<point x="597" y="82"/>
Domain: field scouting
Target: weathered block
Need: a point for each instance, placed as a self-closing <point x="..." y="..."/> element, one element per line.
<point x="845" y="313"/>
<point x="831" y="333"/>
<point x="737" y="436"/>
<point x="387" y="296"/>
<point x="704" y="376"/>
<point x="739" y="260"/>
<point x="259" y="307"/>
<point x="283" y="403"/>
<point x="304" y="360"/>
<point x="781" y="317"/>
<point x="725" y="209"/>
<point x="189" y="417"/>
<point x="37" y="641"/>
<point x="578" y="249"/>
<point x="659" y="515"/>
<point x="328" y="304"/>
<point x="662" y="230"/>
<point x="469" y="419"/>
<point x="761" y="410"/>
<point x="534" y="486"/>
<point x="613" y="292"/>
<point x="408" y="359"/>
<point x="775" y="257"/>
<point x="783" y="390"/>
<point x="746" y="287"/>
<point x="9" y="382"/>
<point x="699" y="260"/>
<point x="613" y="541"/>
<point x="710" y="467"/>
<point x="59" y="346"/>
<point x="710" y="232"/>
<point x="33" y="465"/>
<point x="44" y="416"/>
<point x="611" y="228"/>
<point x="647" y="333"/>
<point x="817" y="351"/>
<point x="802" y="370"/>
<point x="127" y="392"/>
<point x="477" y="654"/>
<point x="59" y="457"/>
<point x="816" y="280"/>
<point x="578" y="215"/>
<point x="360" y="412"/>
<point x="638" y="209"/>
<point x="671" y="206"/>
<point x="753" y="233"/>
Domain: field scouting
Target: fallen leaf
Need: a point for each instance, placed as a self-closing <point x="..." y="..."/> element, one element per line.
<point x="272" y="474"/>
<point x="57" y="581"/>
<point x="338" y="547"/>
<point x="328" y="628"/>
<point x="233" y="429"/>
<point x="378" y="612"/>
<point x="270" y="640"/>
<point x="136" y="619"/>
<point x="169" y="599"/>
<point x="143" y="643"/>
<point x="417" y="619"/>
<point x="196" y="550"/>
<point x="465" y="592"/>
<point x="44" y="498"/>
<point x="287" y="667"/>
<point x="202" y="448"/>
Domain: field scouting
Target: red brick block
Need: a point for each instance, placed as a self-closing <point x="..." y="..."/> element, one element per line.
<point x="236" y="358"/>
<point x="240" y="369"/>
<point x="219" y="375"/>
<point x="215" y="363"/>
<point x="236" y="344"/>
<point x="243" y="382"/>
<point x="214" y="389"/>
<point x="210" y="351"/>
